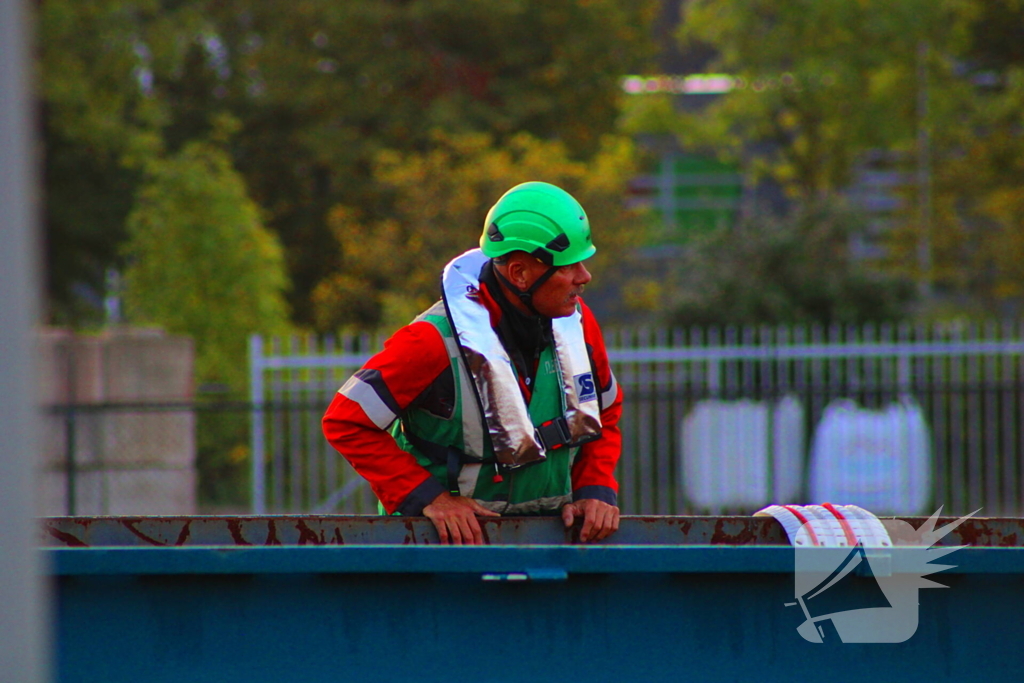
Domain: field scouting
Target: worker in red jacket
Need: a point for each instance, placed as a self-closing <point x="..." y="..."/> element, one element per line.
<point x="499" y="399"/>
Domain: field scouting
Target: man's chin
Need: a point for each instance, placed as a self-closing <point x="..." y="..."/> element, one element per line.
<point x="564" y="310"/>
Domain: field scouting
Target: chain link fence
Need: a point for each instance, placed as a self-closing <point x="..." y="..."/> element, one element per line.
<point x="147" y="458"/>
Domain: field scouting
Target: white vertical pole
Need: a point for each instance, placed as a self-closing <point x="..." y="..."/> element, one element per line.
<point x="22" y="599"/>
<point x="259" y="488"/>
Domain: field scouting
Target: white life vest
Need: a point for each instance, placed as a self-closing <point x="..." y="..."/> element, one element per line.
<point x="514" y="439"/>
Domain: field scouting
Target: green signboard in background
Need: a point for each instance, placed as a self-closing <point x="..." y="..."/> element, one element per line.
<point x="692" y="195"/>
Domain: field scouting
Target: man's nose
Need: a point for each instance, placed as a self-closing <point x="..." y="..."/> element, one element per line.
<point x="582" y="275"/>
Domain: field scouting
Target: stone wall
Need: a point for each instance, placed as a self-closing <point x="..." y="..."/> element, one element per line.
<point x="116" y="418"/>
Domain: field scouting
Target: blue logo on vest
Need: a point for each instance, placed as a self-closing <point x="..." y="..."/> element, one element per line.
<point x="585" y="388"/>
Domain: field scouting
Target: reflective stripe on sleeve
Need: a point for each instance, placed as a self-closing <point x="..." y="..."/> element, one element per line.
<point x="608" y="395"/>
<point x="368" y="390"/>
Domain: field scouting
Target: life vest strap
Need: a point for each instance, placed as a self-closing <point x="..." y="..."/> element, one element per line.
<point x="451" y="457"/>
<point x="554" y="433"/>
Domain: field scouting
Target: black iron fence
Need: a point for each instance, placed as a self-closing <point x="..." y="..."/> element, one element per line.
<point x="723" y="421"/>
<point x="897" y="418"/>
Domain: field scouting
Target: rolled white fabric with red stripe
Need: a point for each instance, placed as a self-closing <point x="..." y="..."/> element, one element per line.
<point x="828" y="525"/>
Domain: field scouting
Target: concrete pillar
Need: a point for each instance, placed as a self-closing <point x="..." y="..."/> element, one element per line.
<point x="130" y="441"/>
<point x="23" y="656"/>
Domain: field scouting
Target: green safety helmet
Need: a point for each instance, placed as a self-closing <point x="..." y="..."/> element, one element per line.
<point x="540" y="219"/>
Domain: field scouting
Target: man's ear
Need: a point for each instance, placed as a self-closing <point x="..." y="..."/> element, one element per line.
<point x="516" y="272"/>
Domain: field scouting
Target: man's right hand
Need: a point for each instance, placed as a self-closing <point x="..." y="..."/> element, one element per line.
<point x="455" y="518"/>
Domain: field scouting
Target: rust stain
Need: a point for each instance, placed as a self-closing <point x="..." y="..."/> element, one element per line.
<point x="338" y="540"/>
<point x="970" y="532"/>
<point x="67" y="539"/>
<point x="745" y="536"/>
<point x="772" y="531"/>
<point x="1009" y="541"/>
<point x="306" y="535"/>
<point x="235" y="527"/>
<point x="685" y="525"/>
<point x="272" y="533"/>
<point x="410" y="537"/>
<point x="130" y="525"/>
<point x="186" y="531"/>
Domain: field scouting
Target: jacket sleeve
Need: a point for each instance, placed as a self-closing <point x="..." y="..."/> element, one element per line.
<point x="593" y="472"/>
<point x="358" y="418"/>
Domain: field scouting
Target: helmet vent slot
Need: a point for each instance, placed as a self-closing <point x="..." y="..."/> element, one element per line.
<point x="559" y="244"/>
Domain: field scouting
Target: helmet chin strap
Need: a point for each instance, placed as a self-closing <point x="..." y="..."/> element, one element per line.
<point x="527" y="296"/>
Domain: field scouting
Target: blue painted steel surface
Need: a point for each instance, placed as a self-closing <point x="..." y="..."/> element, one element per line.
<point x="478" y="560"/>
<point x="502" y="613"/>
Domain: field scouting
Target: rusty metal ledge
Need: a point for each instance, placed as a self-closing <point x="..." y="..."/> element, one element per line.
<point x="300" y="530"/>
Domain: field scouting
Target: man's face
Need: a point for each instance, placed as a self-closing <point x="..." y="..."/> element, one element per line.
<point x="558" y="297"/>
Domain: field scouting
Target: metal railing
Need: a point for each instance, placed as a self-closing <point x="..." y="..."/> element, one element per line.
<point x="291" y="383"/>
<point x="966" y="379"/>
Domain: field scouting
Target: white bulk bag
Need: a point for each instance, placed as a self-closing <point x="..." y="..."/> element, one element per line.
<point x="877" y="459"/>
<point x="742" y="454"/>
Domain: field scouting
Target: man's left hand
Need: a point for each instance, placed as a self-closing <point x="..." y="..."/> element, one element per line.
<point x="600" y="520"/>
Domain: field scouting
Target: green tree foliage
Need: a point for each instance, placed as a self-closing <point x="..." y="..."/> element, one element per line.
<point x="319" y="89"/>
<point x="823" y="81"/>
<point x="94" y="118"/>
<point x="201" y="262"/>
<point x="977" y="230"/>
<point x="977" y="233"/>
<point x="389" y="269"/>
<point x="826" y="81"/>
<point x="991" y="174"/>
<point x="795" y="269"/>
<point x="996" y="42"/>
